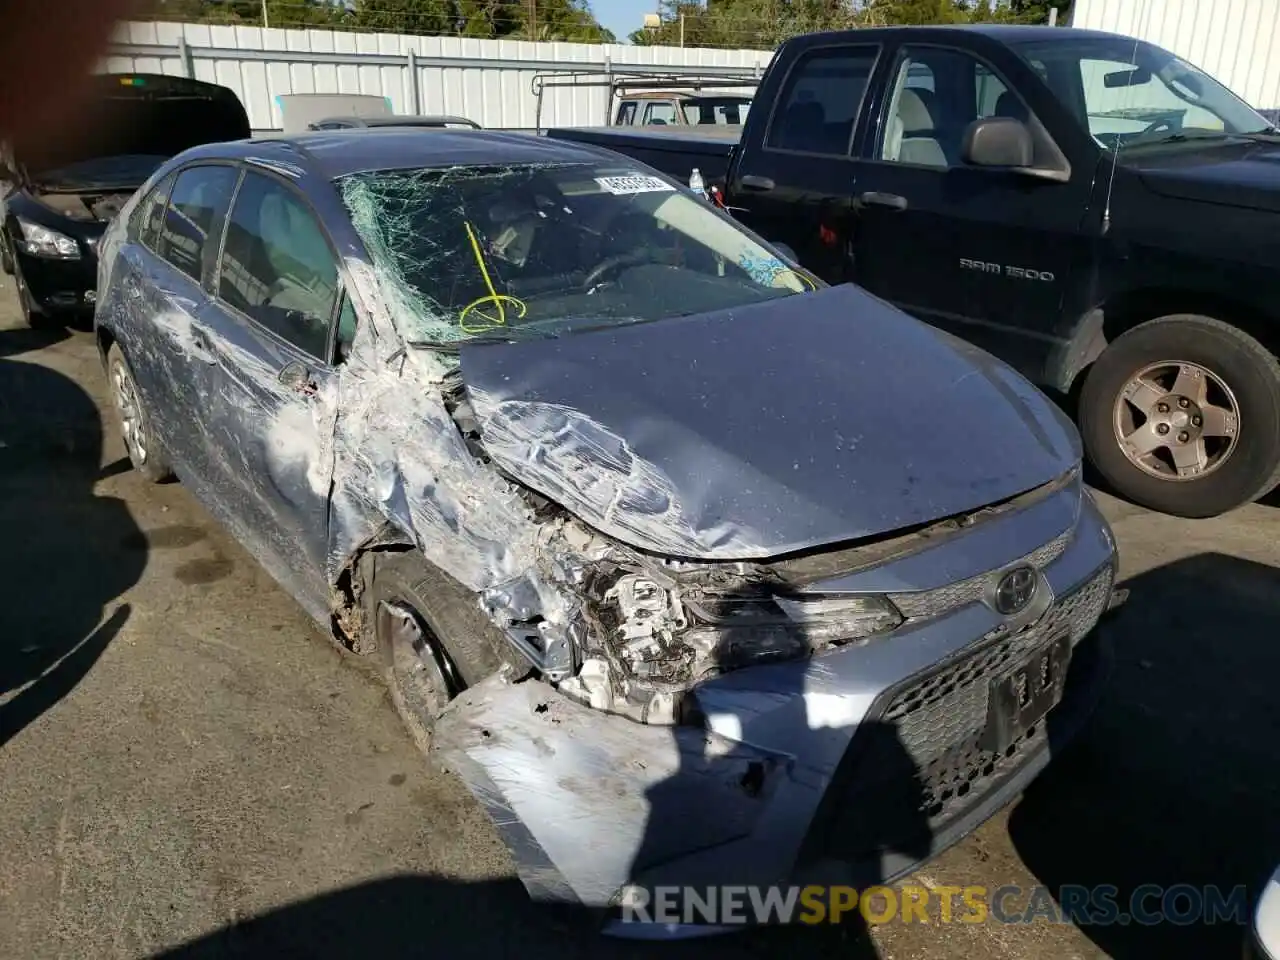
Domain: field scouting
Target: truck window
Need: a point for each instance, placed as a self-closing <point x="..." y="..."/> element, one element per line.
<point x="1130" y="93"/>
<point x="660" y="113"/>
<point x="626" y="113"/>
<point x="938" y="92"/>
<point x="821" y="100"/>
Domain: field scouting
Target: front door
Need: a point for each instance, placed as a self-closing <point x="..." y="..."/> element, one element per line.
<point x="272" y="397"/>
<point x="984" y="253"/>
<point x="795" y="188"/>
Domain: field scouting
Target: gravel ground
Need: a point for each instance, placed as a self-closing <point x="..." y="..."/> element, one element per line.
<point x="187" y="767"/>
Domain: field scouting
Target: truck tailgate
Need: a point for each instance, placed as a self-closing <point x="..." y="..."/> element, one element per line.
<point x="674" y="152"/>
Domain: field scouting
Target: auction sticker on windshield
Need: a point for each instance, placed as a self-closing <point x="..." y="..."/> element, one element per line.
<point x="634" y="183"/>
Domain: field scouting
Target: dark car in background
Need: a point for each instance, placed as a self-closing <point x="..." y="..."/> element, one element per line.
<point x="62" y="197"/>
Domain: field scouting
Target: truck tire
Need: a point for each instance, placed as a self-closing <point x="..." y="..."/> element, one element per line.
<point x="140" y="441"/>
<point x="430" y="635"/>
<point x="1182" y="415"/>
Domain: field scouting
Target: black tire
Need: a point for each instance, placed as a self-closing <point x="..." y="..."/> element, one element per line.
<point x="1239" y="361"/>
<point x="460" y="645"/>
<point x="145" y="450"/>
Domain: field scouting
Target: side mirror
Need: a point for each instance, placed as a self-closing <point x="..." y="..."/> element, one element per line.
<point x="998" y="142"/>
<point x="1005" y="143"/>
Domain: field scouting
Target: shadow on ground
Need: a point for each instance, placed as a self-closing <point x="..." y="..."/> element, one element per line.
<point x="1175" y="780"/>
<point x="69" y="552"/>
<point x="399" y="918"/>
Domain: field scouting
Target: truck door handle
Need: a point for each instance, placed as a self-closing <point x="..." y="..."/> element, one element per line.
<point x="877" y="199"/>
<point x="751" y="182"/>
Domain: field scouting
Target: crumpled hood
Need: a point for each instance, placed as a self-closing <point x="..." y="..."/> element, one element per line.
<point x="764" y="430"/>
<point x="1242" y="175"/>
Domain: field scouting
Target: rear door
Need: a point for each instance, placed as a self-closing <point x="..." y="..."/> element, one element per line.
<point x="794" y="186"/>
<point x="271" y="402"/>
<point x="165" y="303"/>
<point x="985" y="253"/>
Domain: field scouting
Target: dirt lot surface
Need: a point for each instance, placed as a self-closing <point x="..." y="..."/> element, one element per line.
<point x="187" y="768"/>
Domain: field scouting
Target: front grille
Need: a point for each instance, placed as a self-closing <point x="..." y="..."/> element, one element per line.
<point x="922" y="761"/>
<point x="923" y="604"/>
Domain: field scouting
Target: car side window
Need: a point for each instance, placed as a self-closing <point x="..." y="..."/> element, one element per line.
<point x="660" y="113"/>
<point x="821" y="100"/>
<point x="937" y="94"/>
<point x="346" y="329"/>
<point x="627" y="113"/>
<point x="149" y="215"/>
<point x="277" y="267"/>
<point x="196" y="206"/>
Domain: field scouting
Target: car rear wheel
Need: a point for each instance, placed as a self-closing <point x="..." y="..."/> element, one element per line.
<point x="1182" y="414"/>
<point x="431" y="636"/>
<point x="145" y="453"/>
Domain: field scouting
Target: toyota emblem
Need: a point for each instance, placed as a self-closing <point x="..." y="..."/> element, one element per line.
<point x="1015" y="590"/>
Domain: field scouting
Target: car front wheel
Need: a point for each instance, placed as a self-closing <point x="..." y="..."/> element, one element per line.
<point x="1182" y="414"/>
<point x="430" y="634"/>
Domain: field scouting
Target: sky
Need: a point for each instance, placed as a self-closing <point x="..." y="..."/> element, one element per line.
<point x="622" y="16"/>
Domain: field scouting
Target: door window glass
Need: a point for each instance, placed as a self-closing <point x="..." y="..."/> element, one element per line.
<point x="150" y="213"/>
<point x="627" y="113"/>
<point x="820" y="103"/>
<point x="660" y="113"/>
<point x="938" y="93"/>
<point x="194" y="215"/>
<point x="277" y="267"/>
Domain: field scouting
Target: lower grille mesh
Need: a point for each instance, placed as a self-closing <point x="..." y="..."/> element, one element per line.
<point x="937" y="723"/>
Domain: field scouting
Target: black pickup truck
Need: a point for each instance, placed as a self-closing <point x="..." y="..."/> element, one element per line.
<point x="1097" y="212"/>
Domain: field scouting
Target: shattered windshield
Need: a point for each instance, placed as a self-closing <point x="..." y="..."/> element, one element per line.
<point x="535" y="251"/>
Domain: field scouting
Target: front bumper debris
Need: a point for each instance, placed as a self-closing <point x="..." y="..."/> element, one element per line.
<point x="848" y="768"/>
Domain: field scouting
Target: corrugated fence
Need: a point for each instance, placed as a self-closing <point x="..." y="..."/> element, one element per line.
<point x="488" y="81"/>
<point x="1237" y="41"/>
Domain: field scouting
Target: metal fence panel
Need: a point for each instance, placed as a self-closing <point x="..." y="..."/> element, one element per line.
<point x="489" y="81"/>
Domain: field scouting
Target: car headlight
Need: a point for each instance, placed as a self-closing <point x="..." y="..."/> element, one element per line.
<point x="38" y="241"/>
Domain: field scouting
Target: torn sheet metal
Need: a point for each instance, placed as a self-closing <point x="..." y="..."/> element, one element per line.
<point x="590" y="803"/>
<point x="651" y="433"/>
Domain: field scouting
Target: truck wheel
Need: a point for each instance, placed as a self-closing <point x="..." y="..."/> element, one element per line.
<point x="430" y="634"/>
<point x="145" y="453"/>
<point x="1182" y="414"/>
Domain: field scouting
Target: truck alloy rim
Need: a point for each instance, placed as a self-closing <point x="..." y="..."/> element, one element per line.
<point x="130" y="414"/>
<point x="1177" y="420"/>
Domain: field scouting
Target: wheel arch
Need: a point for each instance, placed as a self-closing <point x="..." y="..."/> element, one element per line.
<point x="1123" y="311"/>
<point x="346" y="620"/>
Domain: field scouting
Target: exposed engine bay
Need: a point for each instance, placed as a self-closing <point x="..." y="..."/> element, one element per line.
<point x="86" y="207"/>
<point x="630" y="633"/>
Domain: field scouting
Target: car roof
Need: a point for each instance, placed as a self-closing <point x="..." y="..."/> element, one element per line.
<point x="1011" y="33"/>
<point x="337" y="153"/>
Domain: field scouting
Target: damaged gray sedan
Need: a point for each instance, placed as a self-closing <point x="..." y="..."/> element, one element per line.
<point x="696" y="571"/>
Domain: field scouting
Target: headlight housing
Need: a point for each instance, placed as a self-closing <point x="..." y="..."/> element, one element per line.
<point x="40" y="241"/>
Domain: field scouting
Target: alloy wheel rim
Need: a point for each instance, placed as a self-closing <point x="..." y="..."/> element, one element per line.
<point x="130" y="413"/>
<point x="427" y="677"/>
<point x="1177" y="421"/>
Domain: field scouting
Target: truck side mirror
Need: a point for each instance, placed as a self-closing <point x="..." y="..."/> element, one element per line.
<point x="998" y="142"/>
